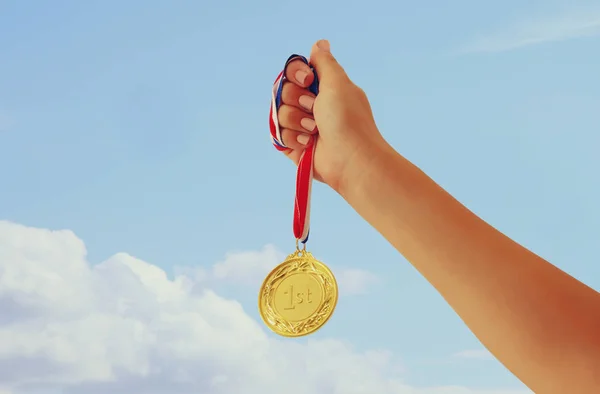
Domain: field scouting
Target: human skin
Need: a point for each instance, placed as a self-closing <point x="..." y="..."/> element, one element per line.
<point x="538" y="321"/>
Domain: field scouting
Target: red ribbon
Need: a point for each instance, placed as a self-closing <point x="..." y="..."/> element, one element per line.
<point x="304" y="175"/>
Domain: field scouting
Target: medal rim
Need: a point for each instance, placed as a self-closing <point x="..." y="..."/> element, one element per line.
<point x="289" y="260"/>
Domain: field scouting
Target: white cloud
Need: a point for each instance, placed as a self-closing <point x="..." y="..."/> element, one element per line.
<point x="123" y="326"/>
<point x="251" y="267"/>
<point x="356" y="281"/>
<point x="477" y="354"/>
<point x="248" y="267"/>
<point x="567" y="26"/>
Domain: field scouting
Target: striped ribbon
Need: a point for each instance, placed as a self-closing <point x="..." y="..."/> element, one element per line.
<point x="304" y="175"/>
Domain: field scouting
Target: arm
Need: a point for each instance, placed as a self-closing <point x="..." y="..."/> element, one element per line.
<point x="541" y="323"/>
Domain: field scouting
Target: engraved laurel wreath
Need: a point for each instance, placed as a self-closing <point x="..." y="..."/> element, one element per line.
<point x="299" y="262"/>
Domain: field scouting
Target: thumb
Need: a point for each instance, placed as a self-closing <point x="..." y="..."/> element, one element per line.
<point x="324" y="63"/>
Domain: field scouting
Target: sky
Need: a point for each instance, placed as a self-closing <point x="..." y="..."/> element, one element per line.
<point x="141" y="203"/>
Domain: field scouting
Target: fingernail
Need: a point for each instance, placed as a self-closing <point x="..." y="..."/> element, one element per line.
<point x="324" y="45"/>
<point x="306" y="102"/>
<point x="303" y="139"/>
<point x="308" y="124"/>
<point x="301" y="76"/>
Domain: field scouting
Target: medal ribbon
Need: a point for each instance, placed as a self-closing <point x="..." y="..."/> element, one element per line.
<point x="304" y="176"/>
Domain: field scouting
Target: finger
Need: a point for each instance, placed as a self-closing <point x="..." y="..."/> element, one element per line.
<point x="299" y="73"/>
<point x="296" y="119"/>
<point x="295" y="140"/>
<point x="327" y="67"/>
<point x="294" y="155"/>
<point x="298" y="97"/>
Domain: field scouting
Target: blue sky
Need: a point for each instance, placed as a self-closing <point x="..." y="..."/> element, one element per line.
<point x="142" y="127"/>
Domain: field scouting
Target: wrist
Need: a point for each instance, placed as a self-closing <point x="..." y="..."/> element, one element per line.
<point x="368" y="166"/>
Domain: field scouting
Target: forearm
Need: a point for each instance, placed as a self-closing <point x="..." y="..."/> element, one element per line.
<point x="534" y="318"/>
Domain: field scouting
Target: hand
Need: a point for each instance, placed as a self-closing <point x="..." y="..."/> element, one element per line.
<point x="347" y="134"/>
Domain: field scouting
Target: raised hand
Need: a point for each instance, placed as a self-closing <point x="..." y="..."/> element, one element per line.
<point x="341" y="115"/>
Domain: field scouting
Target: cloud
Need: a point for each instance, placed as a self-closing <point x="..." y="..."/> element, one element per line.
<point x="356" y="281"/>
<point x="251" y="267"/>
<point x="123" y="326"/>
<point x="248" y="267"/>
<point x="567" y="26"/>
<point x="477" y="354"/>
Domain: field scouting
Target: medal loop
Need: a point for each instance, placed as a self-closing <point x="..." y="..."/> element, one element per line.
<point x="304" y="175"/>
<point x="298" y="246"/>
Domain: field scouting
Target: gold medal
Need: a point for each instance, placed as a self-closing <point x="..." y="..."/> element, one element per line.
<point x="298" y="296"/>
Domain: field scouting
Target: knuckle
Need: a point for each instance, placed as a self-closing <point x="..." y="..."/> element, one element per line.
<point x="287" y="93"/>
<point x="285" y="115"/>
<point x="287" y="136"/>
<point x="284" y="111"/>
<point x="293" y="67"/>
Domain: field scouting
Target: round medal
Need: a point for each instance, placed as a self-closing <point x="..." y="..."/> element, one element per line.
<point x="298" y="296"/>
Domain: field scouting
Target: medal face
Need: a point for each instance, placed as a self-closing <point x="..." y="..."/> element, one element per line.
<point x="298" y="296"/>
